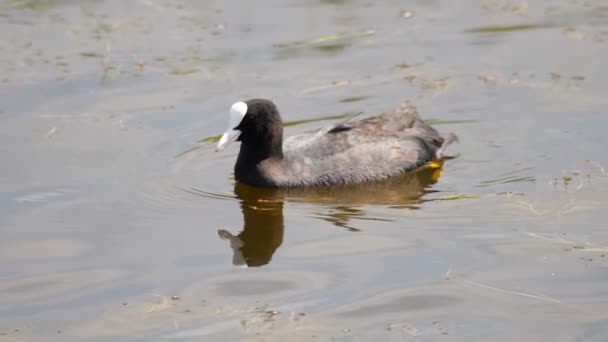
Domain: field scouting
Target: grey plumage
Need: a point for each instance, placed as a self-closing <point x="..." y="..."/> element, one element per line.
<point x="365" y="150"/>
<point x="370" y="149"/>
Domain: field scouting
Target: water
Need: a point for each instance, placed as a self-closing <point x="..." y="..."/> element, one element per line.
<point x="120" y="222"/>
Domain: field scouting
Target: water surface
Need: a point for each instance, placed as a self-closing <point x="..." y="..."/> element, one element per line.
<point x="120" y="222"/>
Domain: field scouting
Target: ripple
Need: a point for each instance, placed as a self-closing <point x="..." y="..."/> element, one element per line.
<point x="44" y="249"/>
<point x="351" y="244"/>
<point x="406" y="303"/>
<point x="53" y="287"/>
<point x="258" y="285"/>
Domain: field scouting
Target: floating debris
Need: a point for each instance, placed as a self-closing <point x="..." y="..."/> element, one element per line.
<point x="354" y="99"/>
<point x="331" y="85"/>
<point x="488" y="79"/>
<point x="508" y="28"/>
<point x="454" y="197"/>
<point x="331" y="43"/>
<point x="570" y="244"/>
<point x="405" y="65"/>
<point x="519" y="7"/>
<point x="406" y="14"/>
<point x="33" y="5"/>
<point x="141" y="64"/>
<point x="92" y="55"/>
<point x="438" y="83"/>
<point x="505" y="180"/>
<point x="51" y="132"/>
<point x="163" y="304"/>
<point x="600" y="166"/>
<point x="510" y="193"/>
<point x="573" y="33"/>
<point x="182" y="72"/>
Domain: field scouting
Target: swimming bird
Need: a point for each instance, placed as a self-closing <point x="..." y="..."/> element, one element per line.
<point x="365" y="150"/>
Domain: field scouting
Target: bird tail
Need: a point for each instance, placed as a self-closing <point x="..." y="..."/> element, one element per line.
<point x="447" y="140"/>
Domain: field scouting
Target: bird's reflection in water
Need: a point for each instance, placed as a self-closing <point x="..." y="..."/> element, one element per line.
<point x="262" y="209"/>
<point x="262" y="229"/>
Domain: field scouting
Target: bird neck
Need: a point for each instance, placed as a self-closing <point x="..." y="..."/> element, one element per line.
<point x="252" y="160"/>
<point x="253" y="151"/>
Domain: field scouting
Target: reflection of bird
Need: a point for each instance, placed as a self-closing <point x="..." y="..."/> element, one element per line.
<point x="370" y="149"/>
<point x="402" y="192"/>
<point x="263" y="209"/>
<point x="262" y="230"/>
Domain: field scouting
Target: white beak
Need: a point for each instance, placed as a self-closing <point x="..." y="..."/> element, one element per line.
<point x="237" y="113"/>
<point x="227" y="138"/>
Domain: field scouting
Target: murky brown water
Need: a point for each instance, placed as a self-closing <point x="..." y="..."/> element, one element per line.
<point x="118" y="221"/>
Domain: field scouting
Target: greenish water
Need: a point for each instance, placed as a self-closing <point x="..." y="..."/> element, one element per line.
<point x="118" y="221"/>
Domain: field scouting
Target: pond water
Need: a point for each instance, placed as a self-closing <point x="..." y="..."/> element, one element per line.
<point x="118" y="221"/>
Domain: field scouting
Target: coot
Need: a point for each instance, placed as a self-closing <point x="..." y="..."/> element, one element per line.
<point x="369" y="149"/>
